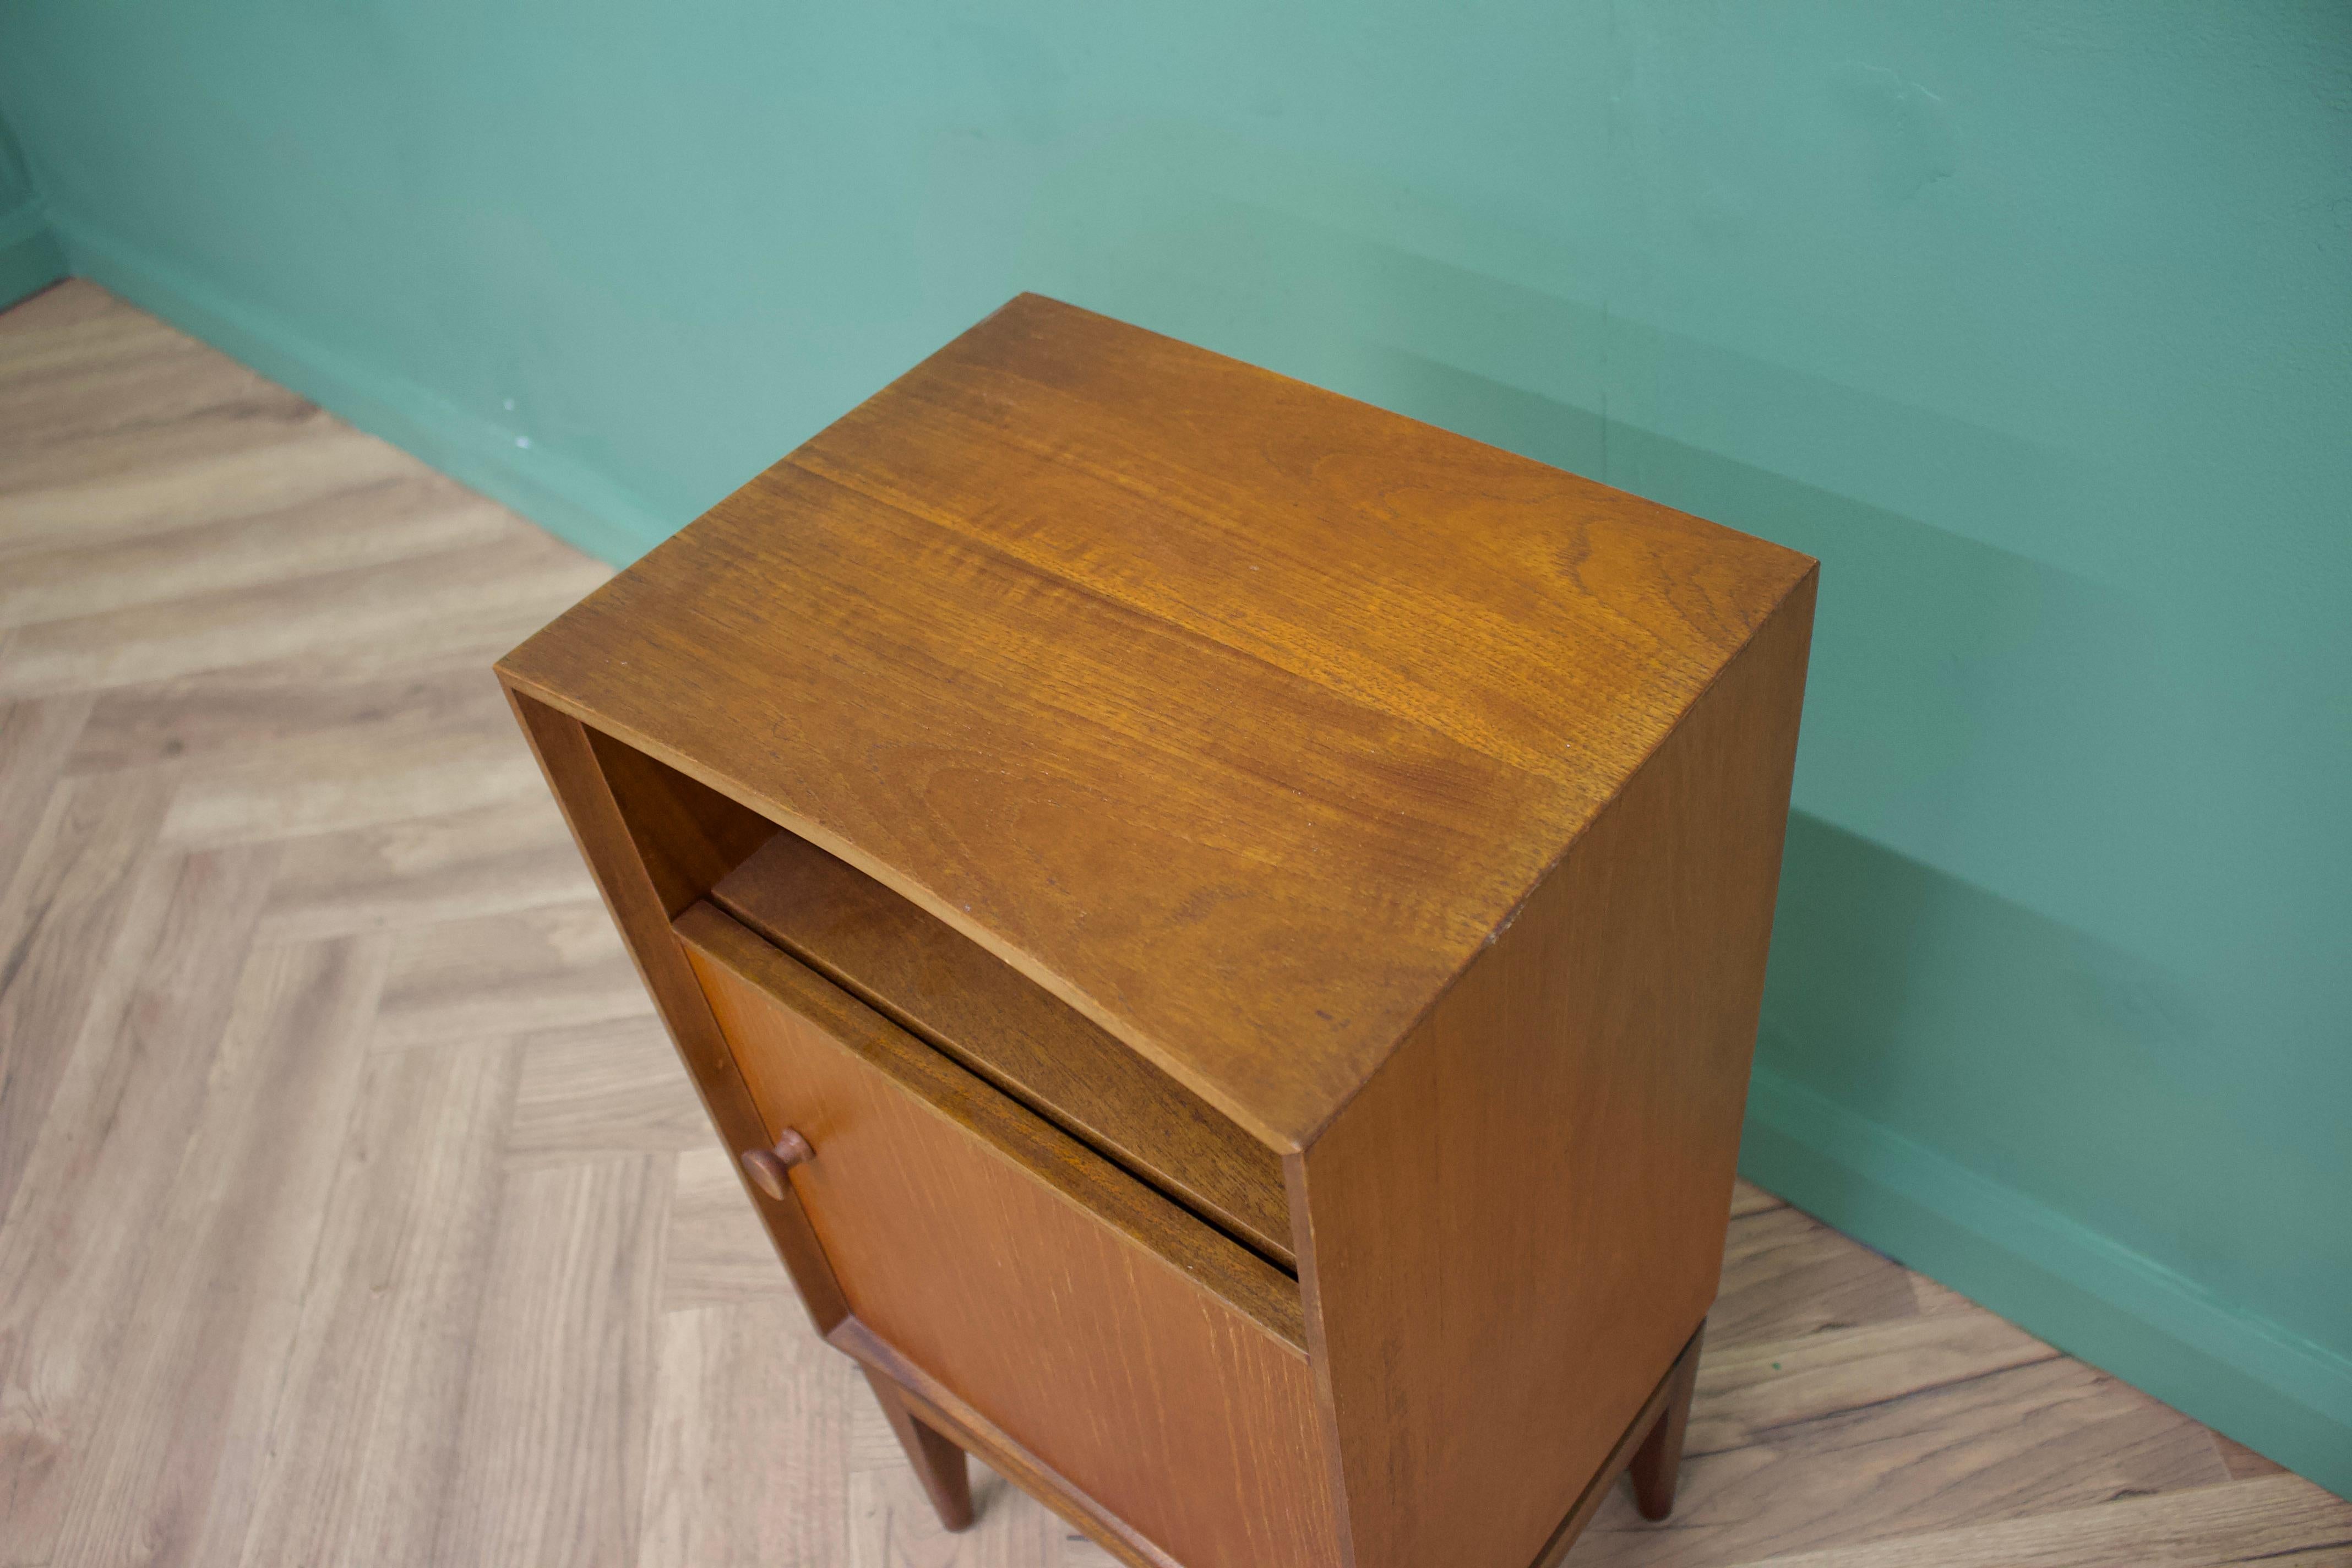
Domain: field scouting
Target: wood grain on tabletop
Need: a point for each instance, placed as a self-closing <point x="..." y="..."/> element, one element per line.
<point x="356" y="1218"/>
<point x="1032" y="637"/>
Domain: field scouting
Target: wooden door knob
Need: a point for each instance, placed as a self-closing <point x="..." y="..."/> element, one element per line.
<point x="766" y="1166"/>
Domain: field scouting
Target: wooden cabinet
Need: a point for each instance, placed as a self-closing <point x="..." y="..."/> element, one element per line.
<point x="1226" y="925"/>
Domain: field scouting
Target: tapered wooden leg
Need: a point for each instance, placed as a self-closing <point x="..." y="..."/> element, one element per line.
<point x="938" y="1461"/>
<point x="1658" y="1461"/>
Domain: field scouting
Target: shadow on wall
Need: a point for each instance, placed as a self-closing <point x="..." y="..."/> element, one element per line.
<point x="1983" y="1092"/>
<point x="1939" y="660"/>
<point x="1951" y="682"/>
<point x="1925" y="1003"/>
<point x="2062" y="1123"/>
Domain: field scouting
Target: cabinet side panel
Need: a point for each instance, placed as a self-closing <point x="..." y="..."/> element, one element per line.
<point x="1515" y="1228"/>
<point x="634" y="890"/>
<point x="688" y="834"/>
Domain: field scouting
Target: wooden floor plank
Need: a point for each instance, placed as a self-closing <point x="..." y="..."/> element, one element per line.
<point x="426" y="871"/>
<point x="66" y="332"/>
<point x="353" y="1209"/>
<point x="84" y="1218"/>
<point x="372" y="608"/>
<point x="112" y="343"/>
<point x="552" y="1449"/>
<point x="718" y="1254"/>
<point x="1932" y="1298"/>
<point x="394" y="518"/>
<point x="744" y="1388"/>
<point x="60" y="918"/>
<point x="222" y="715"/>
<point x="1785" y="1274"/>
<point x="84" y="334"/>
<point x="360" y="1449"/>
<point x="97" y="493"/>
<point x="2244" y="1463"/>
<point x="507" y="974"/>
<point x="181" y="381"/>
<point x="1748" y="1391"/>
<point x="193" y="1384"/>
<point x="335" y="781"/>
<point x="2031" y="1440"/>
<point x="35" y="739"/>
<point x="2280" y="1520"/>
<point x="890" y="1525"/>
<point x="592" y="1090"/>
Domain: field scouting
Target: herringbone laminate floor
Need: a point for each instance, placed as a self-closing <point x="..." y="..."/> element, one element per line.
<point x="356" y="1211"/>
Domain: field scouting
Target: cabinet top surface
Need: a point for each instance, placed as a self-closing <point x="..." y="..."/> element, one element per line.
<point x="1239" y="714"/>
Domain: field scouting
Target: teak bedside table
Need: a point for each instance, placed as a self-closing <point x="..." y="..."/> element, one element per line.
<point x="1227" y="927"/>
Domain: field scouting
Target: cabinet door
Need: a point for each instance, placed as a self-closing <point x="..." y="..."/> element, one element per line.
<point x="1154" y="1362"/>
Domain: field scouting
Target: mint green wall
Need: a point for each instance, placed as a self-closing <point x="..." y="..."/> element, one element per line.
<point x="2033" y="320"/>
<point x="30" y="257"/>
